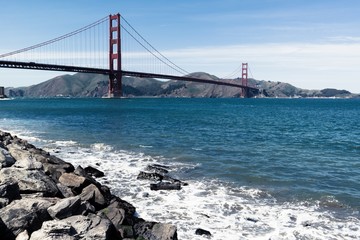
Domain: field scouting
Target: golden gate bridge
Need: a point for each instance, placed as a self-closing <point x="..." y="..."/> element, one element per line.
<point x="110" y="46"/>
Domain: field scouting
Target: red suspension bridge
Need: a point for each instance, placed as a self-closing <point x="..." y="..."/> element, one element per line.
<point x="108" y="46"/>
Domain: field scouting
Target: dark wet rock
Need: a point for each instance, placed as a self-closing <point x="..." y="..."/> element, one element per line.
<point x="200" y="231"/>
<point x="307" y="224"/>
<point x="252" y="220"/>
<point x="150" y="176"/>
<point x="165" y="186"/>
<point x="30" y="181"/>
<point x="6" y="233"/>
<point x="73" y="181"/>
<point x="157" y="168"/>
<point x="94" y="172"/>
<point x="6" y="160"/>
<point x="25" y="214"/>
<point x="143" y="228"/>
<point x="94" y="196"/>
<point x="126" y="231"/>
<point x="65" y="208"/>
<point x="10" y="191"/>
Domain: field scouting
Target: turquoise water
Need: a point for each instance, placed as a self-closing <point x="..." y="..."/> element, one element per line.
<point x="302" y="152"/>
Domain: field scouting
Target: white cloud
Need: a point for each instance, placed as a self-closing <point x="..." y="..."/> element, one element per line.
<point x="345" y="39"/>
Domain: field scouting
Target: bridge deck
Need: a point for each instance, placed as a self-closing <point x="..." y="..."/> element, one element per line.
<point x="51" y="67"/>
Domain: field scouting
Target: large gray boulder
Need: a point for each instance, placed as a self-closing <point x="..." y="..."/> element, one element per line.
<point x="78" y="227"/>
<point x="30" y="181"/>
<point x="164" y="231"/>
<point x="93" y="195"/>
<point x="52" y="165"/>
<point x="55" y="230"/>
<point x="73" y="181"/>
<point x="25" y="214"/>
<point x="24" y="158"/>
<point x="65" y="208"/>
<point x="155" y="231"/>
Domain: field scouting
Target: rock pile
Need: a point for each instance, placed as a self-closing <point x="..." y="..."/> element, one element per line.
<point x="158" y="173"/>
<point x="44" y="197"/>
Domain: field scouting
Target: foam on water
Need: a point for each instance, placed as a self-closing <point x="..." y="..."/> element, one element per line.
<point x="228" y="212"/>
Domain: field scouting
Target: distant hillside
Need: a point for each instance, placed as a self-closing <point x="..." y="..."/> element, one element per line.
<point x="94" y="85"/>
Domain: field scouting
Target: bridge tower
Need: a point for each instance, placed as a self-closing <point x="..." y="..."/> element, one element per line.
<point x="115" y="76"/>
<point x="244" y="80"/>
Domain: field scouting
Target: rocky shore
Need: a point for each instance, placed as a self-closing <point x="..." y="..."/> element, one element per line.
<point x="44" y="197"/>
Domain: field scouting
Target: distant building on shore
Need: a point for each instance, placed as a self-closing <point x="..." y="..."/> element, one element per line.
<point x="2" y="92"/>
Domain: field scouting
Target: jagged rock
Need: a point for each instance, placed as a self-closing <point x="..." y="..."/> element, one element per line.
<point x="25" y="214"/>
<point x="150" y="176"/>
<point x="6" y="138"/>
<point x="80" y="171"/>
<point x="54" y="230"/>
<point x="6" y="160"/>
<point x="158" y="231"/>
<point x="10" y="191"/>
<point x="165" y="186"/>
<point x="23" y="157"/>
<point x="23" y="144"/>
<point x="92" y="194"/>
<point x="94" y="172"/>
<point x="75" y="182"/>
<point x="118" y="203"/>
<point x="143" y="228"/>
<point x="85" y="208"/>
<point x="52" y="165"/>
<point x="65" y="191"/>
<point x="200" y="231"/>
<point x="115" y="214"/>
<point x="93" y="227"/>
<point x="30" y="181"/>
<point x="163" y="231"/>
<point x="65" y="208"/>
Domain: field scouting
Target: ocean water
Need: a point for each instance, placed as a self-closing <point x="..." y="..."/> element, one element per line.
<point x="256" y="168"/>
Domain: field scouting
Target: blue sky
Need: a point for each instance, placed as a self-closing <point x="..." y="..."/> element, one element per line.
<point x="310" y="44"/>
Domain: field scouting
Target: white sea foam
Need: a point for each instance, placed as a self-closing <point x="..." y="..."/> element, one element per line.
<point x="227" y="212"/>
